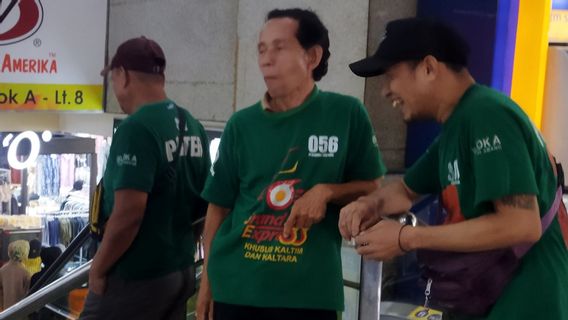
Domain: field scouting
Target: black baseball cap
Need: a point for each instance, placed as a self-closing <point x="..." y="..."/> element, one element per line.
<point x="413" y="39"/>
<point x="138" y="54"/>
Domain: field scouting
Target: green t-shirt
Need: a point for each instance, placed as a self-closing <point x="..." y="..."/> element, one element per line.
<point x="142" y="147"/>
<point x="266" y="161"/>
<point x="488" y="149"/>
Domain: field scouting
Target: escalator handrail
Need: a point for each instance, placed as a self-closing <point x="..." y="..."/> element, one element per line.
<point x="47" y="294"/>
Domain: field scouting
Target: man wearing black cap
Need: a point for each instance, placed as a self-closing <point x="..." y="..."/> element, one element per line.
<point x="156" y="169"/>
<point x="489" y="164"/>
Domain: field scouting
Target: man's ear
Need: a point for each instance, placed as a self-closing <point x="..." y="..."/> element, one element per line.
<point x="126" y="77"/>
<point x="314" y="54"/>
<point x="431" y="66"/>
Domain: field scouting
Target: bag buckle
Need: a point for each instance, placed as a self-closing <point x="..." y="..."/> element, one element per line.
<point x="427" y="293"/>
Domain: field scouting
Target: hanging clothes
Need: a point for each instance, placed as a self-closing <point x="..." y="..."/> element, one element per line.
<point x="67" y="173"/>
<point x="62" y="230"/>
<point x="48" y="175"/>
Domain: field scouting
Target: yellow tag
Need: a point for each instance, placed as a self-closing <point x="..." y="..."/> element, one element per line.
<point x="423" y="313"/>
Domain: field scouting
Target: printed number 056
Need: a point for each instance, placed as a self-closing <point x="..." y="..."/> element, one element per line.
<point x="323" y="144"/>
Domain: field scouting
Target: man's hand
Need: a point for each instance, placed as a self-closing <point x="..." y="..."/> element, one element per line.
<point x="381" y="241"/>
<point x="308" y="209"/>
<point x="97" y="282"/>
<point x="204" y="306"/>
<point x="358" y="216"/>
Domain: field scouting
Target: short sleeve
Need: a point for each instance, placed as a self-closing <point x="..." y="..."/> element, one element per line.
<point x="221" y="187"/>
<point x="364" y="157"/>
<point x="423" y="176"/>
<point x="205" y="164"/>
<point x="499" y="156"/>
<point x="135" y="158"/>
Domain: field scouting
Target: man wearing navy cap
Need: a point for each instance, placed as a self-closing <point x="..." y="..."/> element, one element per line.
<point x="156" y="169"/>
<point x="489" y="164"/>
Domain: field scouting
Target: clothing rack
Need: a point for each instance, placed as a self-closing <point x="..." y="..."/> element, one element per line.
<point x="66" y="213"/>
<point x="62" y="226"/>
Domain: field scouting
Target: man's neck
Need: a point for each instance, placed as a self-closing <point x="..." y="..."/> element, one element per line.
<point x="292" y="100"/>
<point x="456" y="89"/>
<point x="147" y="97"/>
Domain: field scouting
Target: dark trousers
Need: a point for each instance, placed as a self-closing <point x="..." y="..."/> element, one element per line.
<point x="162" y="298"/>
<point x="224" y="311"/>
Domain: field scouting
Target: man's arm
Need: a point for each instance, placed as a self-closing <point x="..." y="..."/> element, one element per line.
<point x="344" y="193"/>
<point x="516" y="220"/>
<point x="213" y="220"/>
<point x="311" y="206"/>
<point x="120" y="231"/>
<point x="359" y="215"/>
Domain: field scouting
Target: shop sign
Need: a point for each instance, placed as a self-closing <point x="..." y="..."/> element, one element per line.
<point x="13" y="142"/>
<point x="558" y="32"/>
<point x="51" y="54"/>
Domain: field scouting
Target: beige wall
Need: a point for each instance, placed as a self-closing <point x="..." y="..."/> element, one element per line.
<point x="388" y="123"/>
<point x="98" y="124"/>
<point x="21" y="121"/>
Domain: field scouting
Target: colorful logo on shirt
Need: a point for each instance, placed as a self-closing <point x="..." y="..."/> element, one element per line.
<point x="265" y="230"/>
<point x="487" y="145"/>
<point x="280" y="195"/>
<point x="268" y="228"/>
<point x="126" y="160"/>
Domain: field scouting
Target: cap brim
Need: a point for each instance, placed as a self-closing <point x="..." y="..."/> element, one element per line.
<point x="105" y="70"/>
<point x="370" y="67"/>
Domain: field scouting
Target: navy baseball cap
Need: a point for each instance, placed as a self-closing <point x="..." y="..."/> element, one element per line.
<point x="413" y="39"/>
<point x="138" y="54"/>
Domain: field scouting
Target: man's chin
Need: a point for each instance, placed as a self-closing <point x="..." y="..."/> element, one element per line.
<point x="407" y="117"/>
<point x="274" y="92"/>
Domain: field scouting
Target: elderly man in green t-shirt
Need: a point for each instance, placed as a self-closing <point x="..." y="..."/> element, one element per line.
<point x="285" y="165"/>
<point x="156" y="168"/>
<point x="489" y="163"/>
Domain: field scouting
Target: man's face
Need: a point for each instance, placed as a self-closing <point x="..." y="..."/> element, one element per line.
<point x="406" y="88"/>
<point x="282" y="60"/>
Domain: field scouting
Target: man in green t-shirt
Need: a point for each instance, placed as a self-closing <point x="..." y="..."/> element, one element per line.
<point x="489" y="164"/>
<point x="156" y="169"/>
<point x="285" y="166"/>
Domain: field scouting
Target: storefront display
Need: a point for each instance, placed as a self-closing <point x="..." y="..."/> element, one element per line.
<point x="49" y="195"/>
